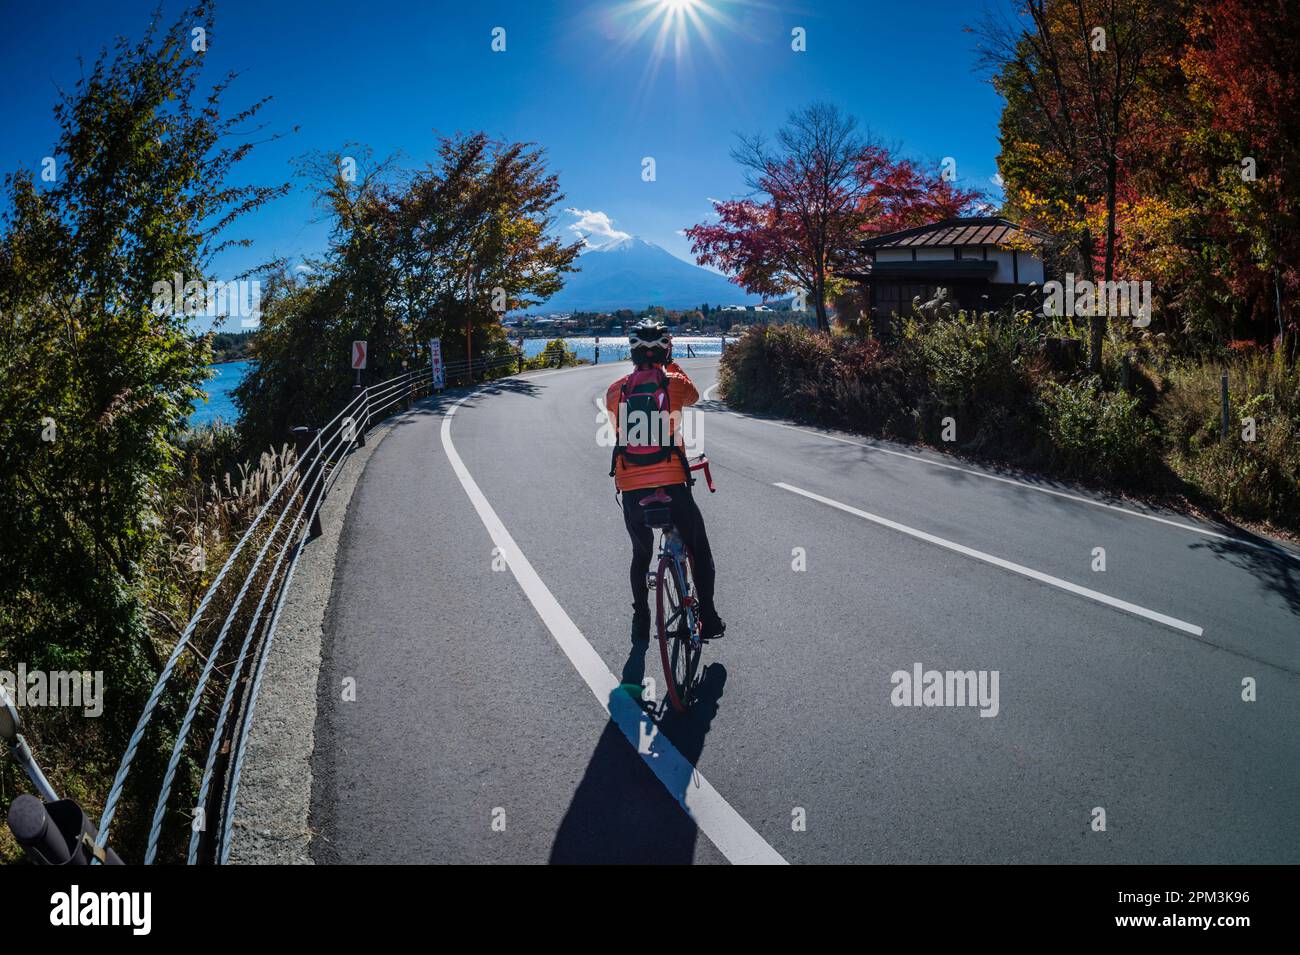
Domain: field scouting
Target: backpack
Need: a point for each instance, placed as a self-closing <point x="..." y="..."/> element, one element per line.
<point x="645" y="432"/>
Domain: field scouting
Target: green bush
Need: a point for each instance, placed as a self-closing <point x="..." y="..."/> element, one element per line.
<point x="985" y="372"/>
<point x="1256" y="480"/>
<point x="812" y="377"/>
<point x="1097" y="434"/>
<point x="975" y="369"/>
<point x="746" y="374"/>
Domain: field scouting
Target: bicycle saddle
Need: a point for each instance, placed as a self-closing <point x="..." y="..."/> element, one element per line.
<point x="660" y="496"/>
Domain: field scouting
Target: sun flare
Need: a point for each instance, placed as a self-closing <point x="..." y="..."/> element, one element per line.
<point x="674" y="24"/>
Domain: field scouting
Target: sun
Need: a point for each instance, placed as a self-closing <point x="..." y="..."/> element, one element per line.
<point x="671" y="35"/>
<point x="672" y="23"/>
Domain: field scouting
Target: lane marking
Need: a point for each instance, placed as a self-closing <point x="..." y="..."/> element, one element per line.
<point x="709" y="390"/>
<point x="1033" y="487"/>
<point x="1077" y="498"/>
<point x="735" y="838"/>
<point x="1024" y="571"/>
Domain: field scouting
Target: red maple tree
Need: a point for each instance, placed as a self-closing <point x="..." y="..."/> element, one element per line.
<point x="817" y="192"/>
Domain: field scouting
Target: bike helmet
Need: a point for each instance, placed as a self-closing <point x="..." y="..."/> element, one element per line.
<point x="648" y="342"/>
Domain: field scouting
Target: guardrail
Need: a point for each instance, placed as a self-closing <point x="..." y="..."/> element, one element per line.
<point x="261" y="565"/>
<point x="289" y="518"/>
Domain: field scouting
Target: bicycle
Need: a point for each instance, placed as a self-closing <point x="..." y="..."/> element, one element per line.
<point x="676" y="608"/>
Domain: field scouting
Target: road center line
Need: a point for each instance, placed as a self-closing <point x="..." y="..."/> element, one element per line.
<point x="1077" y="498"/>
<point x="1032" y="574"/>
<point x="735" y="838"/>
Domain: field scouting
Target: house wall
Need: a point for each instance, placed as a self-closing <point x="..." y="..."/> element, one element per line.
<point x="1030" y="267"/>
<point x="893" y="255"/>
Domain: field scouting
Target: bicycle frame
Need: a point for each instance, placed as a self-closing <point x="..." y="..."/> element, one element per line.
<point x="673" y="581"/>
<point x="673" y="549"/>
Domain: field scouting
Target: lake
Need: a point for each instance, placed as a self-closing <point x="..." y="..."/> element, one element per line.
<point x="220" y="404"/>
<point x="614" y="348"/>
<point x="231" y="373"/>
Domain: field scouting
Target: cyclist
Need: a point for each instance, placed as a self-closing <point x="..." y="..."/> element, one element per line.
<point x="648" y="460"/>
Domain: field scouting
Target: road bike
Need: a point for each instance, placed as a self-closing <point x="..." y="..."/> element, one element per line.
<point x="677" y="615"/>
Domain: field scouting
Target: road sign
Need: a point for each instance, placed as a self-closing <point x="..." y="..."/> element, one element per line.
<point x="358" y="355"/>
<point x="439" y="372"/>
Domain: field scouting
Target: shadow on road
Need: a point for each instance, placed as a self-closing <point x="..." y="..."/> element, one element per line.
<point x="442" y="400"/>
<point x="621" y="813"/>
<point x="1274" y="570"/>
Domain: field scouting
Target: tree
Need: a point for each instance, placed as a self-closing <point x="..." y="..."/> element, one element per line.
<point x="436" y="252"/>
<point x="1074" y="74"/>
<point x="99" y="376"/>
<point x="1244" y="89"/>
<point x="816" y="191"/>
<point x="473" y="236"/>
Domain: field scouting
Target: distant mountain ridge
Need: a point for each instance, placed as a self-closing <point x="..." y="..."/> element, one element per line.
<point x="634" y="273"/>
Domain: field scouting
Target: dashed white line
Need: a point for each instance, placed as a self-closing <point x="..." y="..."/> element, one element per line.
<point x="1024" y="571"/>
<point x="735" y="838"/>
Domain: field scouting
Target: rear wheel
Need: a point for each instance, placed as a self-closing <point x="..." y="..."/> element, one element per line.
<point x="679" y="643"/>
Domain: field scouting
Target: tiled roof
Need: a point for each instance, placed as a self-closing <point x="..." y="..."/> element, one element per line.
<point x="977" y="230"/>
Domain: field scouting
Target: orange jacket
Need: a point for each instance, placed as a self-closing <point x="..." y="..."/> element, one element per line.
<point x="681" y="393"/>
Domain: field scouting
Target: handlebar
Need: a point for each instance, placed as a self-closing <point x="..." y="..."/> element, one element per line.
<point x="703" y="464"/>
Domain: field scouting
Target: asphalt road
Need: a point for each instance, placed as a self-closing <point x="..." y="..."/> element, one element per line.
<point x="480" y="606"/>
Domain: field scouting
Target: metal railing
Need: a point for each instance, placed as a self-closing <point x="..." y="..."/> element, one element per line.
<point x="292" y="509"/>
<point x="261" y="563"/>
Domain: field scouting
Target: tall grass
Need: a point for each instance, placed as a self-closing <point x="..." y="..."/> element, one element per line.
<point x="204" y="510"/>
<point x="1259" y="479"/>
<point x="987" y="376"/>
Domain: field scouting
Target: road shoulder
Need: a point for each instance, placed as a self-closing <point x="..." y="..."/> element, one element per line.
<point x="273" y="806"/>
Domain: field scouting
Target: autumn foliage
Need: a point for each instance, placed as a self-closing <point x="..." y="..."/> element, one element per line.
<point x="1158" y="140"/>
<point x="818" y="190"/>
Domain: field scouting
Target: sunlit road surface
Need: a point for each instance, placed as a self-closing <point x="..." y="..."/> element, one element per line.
<point x="481" y="605"/>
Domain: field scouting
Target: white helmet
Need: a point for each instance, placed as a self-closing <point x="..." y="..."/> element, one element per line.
<point x="649" y="334"/>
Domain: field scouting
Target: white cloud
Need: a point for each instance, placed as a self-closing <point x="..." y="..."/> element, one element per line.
<point x="595" y="228"/>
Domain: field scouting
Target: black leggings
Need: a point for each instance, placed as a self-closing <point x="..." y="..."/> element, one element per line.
<point x="689" y="523"/>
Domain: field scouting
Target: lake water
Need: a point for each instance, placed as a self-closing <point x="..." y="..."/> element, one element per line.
<point x="231" y="373"/>
<point x="614" y="348"/>
<point x="220" y="405"/>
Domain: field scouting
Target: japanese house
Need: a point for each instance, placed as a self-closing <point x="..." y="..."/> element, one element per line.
<point x="982" y="261"/>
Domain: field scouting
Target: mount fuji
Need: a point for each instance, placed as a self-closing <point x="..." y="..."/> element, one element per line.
<point x="633" y="273"/>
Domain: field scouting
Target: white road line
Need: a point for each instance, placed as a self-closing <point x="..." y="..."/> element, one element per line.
<point x="1077" y="498"/>
<point x="1032" y="574"/>
<point x="735" y="838"/>
<point x="1181" y="525"/>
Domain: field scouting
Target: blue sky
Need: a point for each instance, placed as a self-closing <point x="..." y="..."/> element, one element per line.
<point x="578" y="78"/>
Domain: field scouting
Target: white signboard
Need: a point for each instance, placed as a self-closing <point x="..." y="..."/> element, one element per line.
<point x="439" y="372"/>
<point x="358" y="355"/>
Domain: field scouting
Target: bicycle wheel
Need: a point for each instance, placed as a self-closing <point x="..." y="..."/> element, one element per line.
<point x="679" y="643"/>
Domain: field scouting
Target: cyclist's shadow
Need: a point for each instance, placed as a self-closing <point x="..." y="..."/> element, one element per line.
<point x="621" y="812"/>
